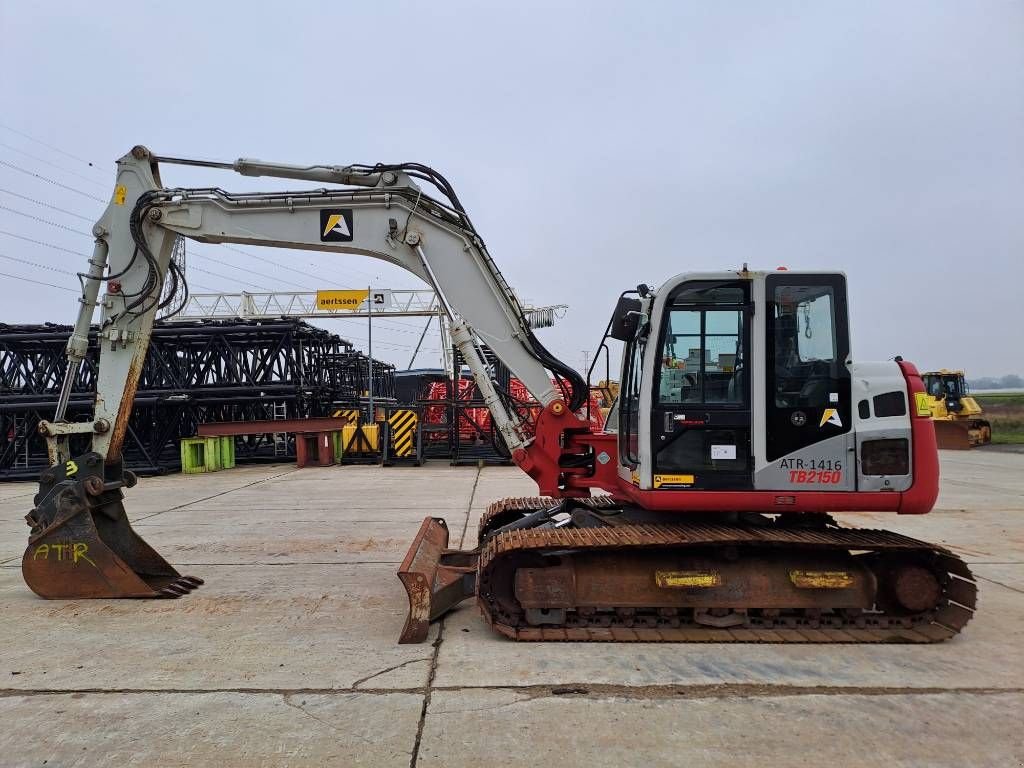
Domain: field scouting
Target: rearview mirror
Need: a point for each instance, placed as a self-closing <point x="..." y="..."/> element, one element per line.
<point x="625" y="319"/>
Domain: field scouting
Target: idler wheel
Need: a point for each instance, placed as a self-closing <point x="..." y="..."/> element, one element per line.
<point x="915" y="588"/>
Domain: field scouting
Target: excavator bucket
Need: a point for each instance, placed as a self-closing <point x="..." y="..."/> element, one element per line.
<point x="952" y="435"/>
<point x="436" y="578"/>
<point x="82" y="545"/>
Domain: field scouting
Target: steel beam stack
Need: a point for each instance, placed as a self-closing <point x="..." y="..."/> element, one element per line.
<point x="348" y="374"/>
<point x="194" y="373"/>
<point x="457" y="424"/>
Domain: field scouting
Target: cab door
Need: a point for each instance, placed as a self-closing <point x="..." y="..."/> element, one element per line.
<point x="701" y="414"/>
<point x="808" y="416"/>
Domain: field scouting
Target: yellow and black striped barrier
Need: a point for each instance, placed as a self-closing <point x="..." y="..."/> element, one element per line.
<point x="403" y="443"/>
<point x="403" y="431"/>
<point x="351" y="415"/>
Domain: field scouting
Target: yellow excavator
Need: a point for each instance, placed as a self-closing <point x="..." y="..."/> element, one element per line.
<point x="958" y="417"/>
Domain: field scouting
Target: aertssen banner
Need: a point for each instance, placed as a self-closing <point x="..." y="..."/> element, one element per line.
<point x="350" y="300"/>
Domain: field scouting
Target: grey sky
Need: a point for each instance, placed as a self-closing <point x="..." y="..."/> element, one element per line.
<point x="596" y="146"/>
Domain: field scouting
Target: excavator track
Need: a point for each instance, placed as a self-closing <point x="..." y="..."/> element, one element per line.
<point x="877" y="553"/>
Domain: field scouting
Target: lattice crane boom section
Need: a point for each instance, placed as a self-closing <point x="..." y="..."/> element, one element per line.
<point x="267" y="306"/>
<point x="247" y="305"/>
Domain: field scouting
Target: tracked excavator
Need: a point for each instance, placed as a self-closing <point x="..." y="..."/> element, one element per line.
<point x="742" y="425"/>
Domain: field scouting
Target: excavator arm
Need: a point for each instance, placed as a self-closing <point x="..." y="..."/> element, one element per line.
<point x="386" y="216"/>
<point x="379" y="211"/>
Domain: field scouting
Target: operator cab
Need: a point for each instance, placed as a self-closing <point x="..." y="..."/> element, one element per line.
<point x="950" y="387"/>
<point x="742" y="380"/>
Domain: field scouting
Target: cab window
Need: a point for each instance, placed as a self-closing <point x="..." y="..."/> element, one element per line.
<point x="701" y="356"/>
<point x="807" y="344"/>
<point x="804" y="322"/>
<point x="628" y="416"/>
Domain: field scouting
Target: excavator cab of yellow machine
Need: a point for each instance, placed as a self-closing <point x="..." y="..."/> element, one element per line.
<point x="82" y="545"/>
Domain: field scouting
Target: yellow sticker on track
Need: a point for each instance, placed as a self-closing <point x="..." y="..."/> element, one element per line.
<point x="821" y="579"/>
<point x="687" y="579"/>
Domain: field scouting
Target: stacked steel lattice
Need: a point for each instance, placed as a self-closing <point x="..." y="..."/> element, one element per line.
<point x="194" y="373"/>
<point x="458" y="424"/>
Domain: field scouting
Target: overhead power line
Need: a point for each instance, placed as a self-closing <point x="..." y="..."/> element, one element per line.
<point x="377" y="343"/>
<point x="38" y="282"/>
<point x="377" y="320"/>
<point x="44" y="221"/>
<point x="48" y="180"/>
<point x="53" y="165"/>
<point x="319" y="278"/>
<point x="37" y="264"/>
<point x="44" y="144"/>
<point x="61" y="271"/>
<point x="205" y="255"/>
<point x="247" y="254"/>
<point x="44" y="243"/>
<point x="393" y="325"/>
<point x="47" y="205"/>
<point x="223" y="277"/>
<point x="389" y="324"/>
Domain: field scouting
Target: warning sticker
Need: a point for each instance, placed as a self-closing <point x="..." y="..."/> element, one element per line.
<point x="682" y="481"/>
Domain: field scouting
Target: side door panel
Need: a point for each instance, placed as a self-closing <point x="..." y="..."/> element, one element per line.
<point x="701" y="414"/>
<point x="808" y="411"/>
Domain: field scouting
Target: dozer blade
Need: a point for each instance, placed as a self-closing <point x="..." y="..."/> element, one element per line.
<point x="82" y="545"/>
<point x="436" y="578"/>
<point x="952" y="435"/>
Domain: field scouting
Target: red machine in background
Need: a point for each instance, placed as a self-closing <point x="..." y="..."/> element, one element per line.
<point x="473" y="422"/>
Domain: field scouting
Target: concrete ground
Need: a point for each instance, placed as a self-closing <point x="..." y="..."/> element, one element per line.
<point x="287" y="656"/>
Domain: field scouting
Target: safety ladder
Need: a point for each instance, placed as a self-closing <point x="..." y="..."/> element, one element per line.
<point x="280" y="438"/>
<point x="20" y="441"/>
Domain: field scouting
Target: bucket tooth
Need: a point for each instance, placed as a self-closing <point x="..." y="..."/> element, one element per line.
<point x="175" y="589"/>
<point x="82" y="545"/>
<point x="184" y="584"/>
<point x="436" y="578"/>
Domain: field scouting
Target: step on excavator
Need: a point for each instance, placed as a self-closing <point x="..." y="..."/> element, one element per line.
<point x="742" y="425"/>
